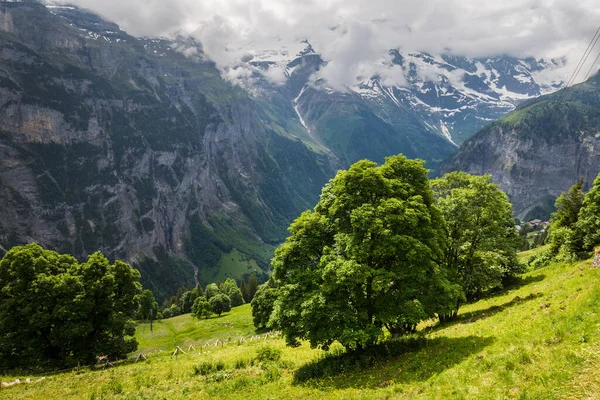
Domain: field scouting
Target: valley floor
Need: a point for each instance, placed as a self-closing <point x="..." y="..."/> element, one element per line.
<point x="537" y="340"/>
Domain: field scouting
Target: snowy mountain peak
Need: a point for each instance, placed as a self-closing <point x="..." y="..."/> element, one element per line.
<point x="453" y="96"/>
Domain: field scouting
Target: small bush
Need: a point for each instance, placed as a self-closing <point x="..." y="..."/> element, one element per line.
<point x="271" y="374"/>
<point x="241" y="363"/>
<point x="540" y="260"/>
<point x="218" y="377"/>
<point x="207" y="367"/>
<point x="113" y="387"/>
<point x="268" y="354"/>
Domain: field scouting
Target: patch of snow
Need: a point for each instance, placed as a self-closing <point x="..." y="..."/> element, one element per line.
<point x="298" y="111"/>
<point x="523" y="78"/>
<point x="446" y="132"/>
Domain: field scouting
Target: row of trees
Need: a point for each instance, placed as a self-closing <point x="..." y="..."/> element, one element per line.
<point x="387" y="247"/>
<point x="575" y="226"/>
<point x="56" y="312"/>
<point x="219" y="298"/>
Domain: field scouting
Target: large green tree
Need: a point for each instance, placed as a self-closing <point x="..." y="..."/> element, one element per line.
<point x="568" y="206"/>
<point x="480" y="247"/>
<point x="211" y="290"/>
<point x="201" y="308"/>
<point x="588" y="224"/>
<point x="220" y="303"/>
<point x="148" y="306"/>
<point x="364" y="258"/>
<point x="55" y="312"/>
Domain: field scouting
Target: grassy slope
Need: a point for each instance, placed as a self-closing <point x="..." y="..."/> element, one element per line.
<point x="524" y="256"/>
<point x="231" y="265"/>
<point x="539" y="340"/>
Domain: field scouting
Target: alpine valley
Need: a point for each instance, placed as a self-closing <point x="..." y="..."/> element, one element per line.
<point x="139" y="148"/>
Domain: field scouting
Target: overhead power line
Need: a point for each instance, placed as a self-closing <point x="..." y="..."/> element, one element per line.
<point x="592" y="67"/>
<point x="579" y="66"/>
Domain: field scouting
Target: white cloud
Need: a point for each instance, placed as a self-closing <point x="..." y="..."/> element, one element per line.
<point x="354" y="35"/>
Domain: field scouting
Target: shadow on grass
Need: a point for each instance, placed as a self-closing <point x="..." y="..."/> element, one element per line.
<point x="412" y="359"/>
<point x="518" y="282"/>
<point x="473" y="316"/>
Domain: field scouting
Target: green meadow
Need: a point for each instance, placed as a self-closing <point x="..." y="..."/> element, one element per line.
<point x="538" y="339"/>
<point x="232" y="264"/>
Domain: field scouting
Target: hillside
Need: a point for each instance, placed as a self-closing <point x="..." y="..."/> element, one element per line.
<point x="539" y="150"/>
<point x="537" y="339"/>
<point x="125" y="145"/>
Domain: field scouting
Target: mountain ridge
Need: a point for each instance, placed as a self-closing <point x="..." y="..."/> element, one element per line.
<point x="540" y="150"/>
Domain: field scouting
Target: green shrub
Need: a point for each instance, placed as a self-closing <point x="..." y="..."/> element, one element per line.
<point x="241" y="363"/>
<point x="207" y="367"/>
<point x="271" y="374"/>
<point x="218" y="377"/>
<point x="540" y="260"/>
<point x="268" y="353"/>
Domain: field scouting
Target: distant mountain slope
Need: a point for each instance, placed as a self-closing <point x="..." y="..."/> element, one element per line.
<point x="444" y="101"/>
<point x="539" y="150"/>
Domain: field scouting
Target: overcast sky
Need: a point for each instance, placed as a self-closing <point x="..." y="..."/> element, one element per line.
<point x="354" y="35"/>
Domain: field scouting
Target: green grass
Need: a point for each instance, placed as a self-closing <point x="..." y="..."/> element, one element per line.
<point x="537" y="340"/>
<point x="231" y="265"/>
<point x="526" y="255"/>
<point x="183" y="330"/>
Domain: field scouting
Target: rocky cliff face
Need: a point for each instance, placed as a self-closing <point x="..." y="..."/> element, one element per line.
<point x="538" y="151"/>
<point x="126" y="146"/>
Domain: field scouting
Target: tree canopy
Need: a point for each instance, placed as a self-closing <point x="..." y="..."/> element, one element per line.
<point x="56" y="312"/>
<point x="211" y="290"/>
<point x="220" y="303"/>
<point x="480" y="247"/>
<point x="148" y="306"/>
<point x="568" y="206"/>
<point x="364" y="258"/>
<point x="201" y="308"/>
<point x="588" y="224"/>
<point x="262" y="305"/>
<point x="565" y="240"/>
<point x="230" y="288"/>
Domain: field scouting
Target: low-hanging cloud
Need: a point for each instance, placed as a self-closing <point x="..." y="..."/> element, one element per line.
<point x="354" y="36"/>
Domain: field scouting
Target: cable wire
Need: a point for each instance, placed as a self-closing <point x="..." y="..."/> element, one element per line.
<point x="580" y="65"/>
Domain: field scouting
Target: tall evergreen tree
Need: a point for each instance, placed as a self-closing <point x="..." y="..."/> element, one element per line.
<point x="252" y="286"/>
<point x="245" y="293"/>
